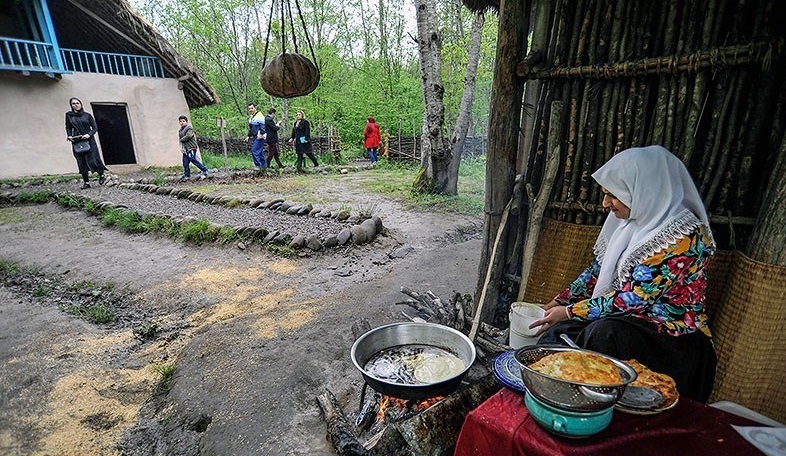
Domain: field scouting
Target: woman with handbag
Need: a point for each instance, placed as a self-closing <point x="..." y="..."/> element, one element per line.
<point x="81" y="129"/>
<point x="301" y="137"/>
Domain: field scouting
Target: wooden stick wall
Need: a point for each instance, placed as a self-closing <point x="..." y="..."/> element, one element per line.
<point x="702" y="78"/>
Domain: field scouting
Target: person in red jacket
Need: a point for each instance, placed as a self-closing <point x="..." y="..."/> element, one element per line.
<point x="371" y="139"/>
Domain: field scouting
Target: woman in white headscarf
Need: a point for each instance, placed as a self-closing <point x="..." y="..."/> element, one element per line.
<point x="643" y="295"/>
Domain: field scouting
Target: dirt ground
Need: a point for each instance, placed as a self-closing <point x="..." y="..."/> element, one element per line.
<point x="253" y="337"/>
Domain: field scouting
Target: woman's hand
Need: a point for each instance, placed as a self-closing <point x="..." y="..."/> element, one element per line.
<point x="85" y="136"/>
<point x="552" y="303"/>
<point x="554" y="315"/>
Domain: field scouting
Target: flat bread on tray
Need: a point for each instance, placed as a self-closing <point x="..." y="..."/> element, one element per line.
<point x="661" y="383"/>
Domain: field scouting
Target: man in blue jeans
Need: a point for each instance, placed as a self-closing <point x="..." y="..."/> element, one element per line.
<point x="256" y="133"/>
<point x="189" y="146"/>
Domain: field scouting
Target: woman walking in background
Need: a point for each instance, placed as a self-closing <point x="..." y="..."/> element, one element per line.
<point x="371" y="139"/>
<point x="301" y="137"/>
<point x="80" y="130"/>
<point x="189" y="147"/>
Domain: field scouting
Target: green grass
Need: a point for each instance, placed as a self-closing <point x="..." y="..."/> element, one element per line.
<point x="8" y="267"/>
<point x="96" y="314"/>
<point x="395" y="181"/>
<point x="41" y="291"/>
<point x="166" y="374"/>
<point x="196" y="232"/>
<point x="282" y="250"/>
<point x="38" y="180"/>
<point x="35" y="197"/>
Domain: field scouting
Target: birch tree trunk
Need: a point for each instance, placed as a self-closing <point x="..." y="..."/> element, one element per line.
<point x="465" y="111"/>
<point x="435" y="155"/>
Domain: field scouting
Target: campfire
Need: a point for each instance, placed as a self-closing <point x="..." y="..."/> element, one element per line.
<point x="382" y="410"/>
<point x="389" y="426"/>
<point x="392" y="409"/>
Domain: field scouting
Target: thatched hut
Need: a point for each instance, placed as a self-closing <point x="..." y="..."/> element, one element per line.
<point x="703" y="79"/>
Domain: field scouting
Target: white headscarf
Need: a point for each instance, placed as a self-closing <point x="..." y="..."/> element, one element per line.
<point x="664" y="207"/>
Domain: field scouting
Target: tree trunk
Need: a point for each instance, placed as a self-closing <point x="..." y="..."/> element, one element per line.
<point x="768" y="242"/>
<point x="504" y="116"/>
<point x="435" y="155"/>
<point x="465" y="111"/>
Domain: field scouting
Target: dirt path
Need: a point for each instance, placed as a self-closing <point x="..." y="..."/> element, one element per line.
<point x="253" y="338"/>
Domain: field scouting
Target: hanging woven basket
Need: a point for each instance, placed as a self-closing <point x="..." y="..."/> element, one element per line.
<point x="289" y="75"/>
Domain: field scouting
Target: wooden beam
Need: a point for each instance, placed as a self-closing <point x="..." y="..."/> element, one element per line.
<point x="675" y="64"/>
<point x="109" y="26"/>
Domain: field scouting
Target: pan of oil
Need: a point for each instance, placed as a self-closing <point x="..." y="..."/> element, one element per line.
<point x="413" y="360"/>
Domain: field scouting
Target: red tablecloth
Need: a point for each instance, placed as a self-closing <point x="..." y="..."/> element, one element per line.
<point x="502" y="426"/>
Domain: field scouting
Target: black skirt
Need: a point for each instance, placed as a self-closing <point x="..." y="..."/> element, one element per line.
<point x="689" y="359"/>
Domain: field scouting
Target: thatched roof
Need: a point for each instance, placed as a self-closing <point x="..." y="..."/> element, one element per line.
<point x="114" y="26"/>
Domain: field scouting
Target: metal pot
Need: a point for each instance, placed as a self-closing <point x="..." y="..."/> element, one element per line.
<point x="397" y="334"/>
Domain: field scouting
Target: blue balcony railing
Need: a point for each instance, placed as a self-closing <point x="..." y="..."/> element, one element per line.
<point x="104" y="62"/>
<point x="25" y="55"/>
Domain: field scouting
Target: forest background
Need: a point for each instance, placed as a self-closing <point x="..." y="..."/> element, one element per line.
<point x="365" y="49"/>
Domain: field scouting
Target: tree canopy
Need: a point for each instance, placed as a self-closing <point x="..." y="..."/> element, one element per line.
<point x="365" y="51"/>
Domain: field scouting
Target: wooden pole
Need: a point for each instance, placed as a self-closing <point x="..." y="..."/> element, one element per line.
<point x="538" y="206"/>
<point x="504" y="116"/>
<point x="222" y="123"/>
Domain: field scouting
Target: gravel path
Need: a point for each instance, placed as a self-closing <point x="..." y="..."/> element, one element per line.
<point x="241" y="215"/>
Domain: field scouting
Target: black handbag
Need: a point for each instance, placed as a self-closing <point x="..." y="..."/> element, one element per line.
<point x="81" y="147"/>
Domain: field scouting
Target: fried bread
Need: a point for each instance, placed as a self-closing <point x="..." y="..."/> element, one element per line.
<point x="581" y="367"/>
<point x="661" y="383"/>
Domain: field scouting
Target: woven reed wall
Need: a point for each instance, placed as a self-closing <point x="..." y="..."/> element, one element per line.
<point x="749" y="324"/>
<point x="745" y="302"/>
<point x="563" y="251"/>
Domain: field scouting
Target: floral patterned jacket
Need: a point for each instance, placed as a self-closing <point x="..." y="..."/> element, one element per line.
<point x="666" y="289"/>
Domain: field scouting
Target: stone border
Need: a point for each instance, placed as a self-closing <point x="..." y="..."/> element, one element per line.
<point x="360" y="231"/>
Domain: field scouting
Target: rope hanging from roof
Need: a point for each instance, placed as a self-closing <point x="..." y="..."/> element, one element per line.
<point x="289" y="75"/>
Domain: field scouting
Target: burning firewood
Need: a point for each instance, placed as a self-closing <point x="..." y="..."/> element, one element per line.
<point x="338" y="427"/>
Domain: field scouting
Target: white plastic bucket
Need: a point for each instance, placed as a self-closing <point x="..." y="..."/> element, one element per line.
<point x="522" y="314"/>
<point x="517" y="340"/>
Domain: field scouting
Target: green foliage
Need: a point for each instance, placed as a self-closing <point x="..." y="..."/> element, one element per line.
<point x="97" y="314"/>
<point x="366" y="211"/>
<point x="153" y="223"/>
<point x="365" y="69"/>
<point x="396" y="179"/>
<point x="197" y="231"/>
<point x="227" y="235"/>
<point x="166" y="373"/>
<point x="281" y="250"/>
<point x="214" y="159"/>
<point x="69" y="200"/>
<point x="41" y="291"/>
<point x="8" y="268"/>
<point x="35" y="197"/>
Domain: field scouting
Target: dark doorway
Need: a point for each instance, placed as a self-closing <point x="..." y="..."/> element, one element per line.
<point x="114" y="133"/>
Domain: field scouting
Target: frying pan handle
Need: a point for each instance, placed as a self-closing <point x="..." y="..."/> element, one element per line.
<point x="596" y="395"/>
